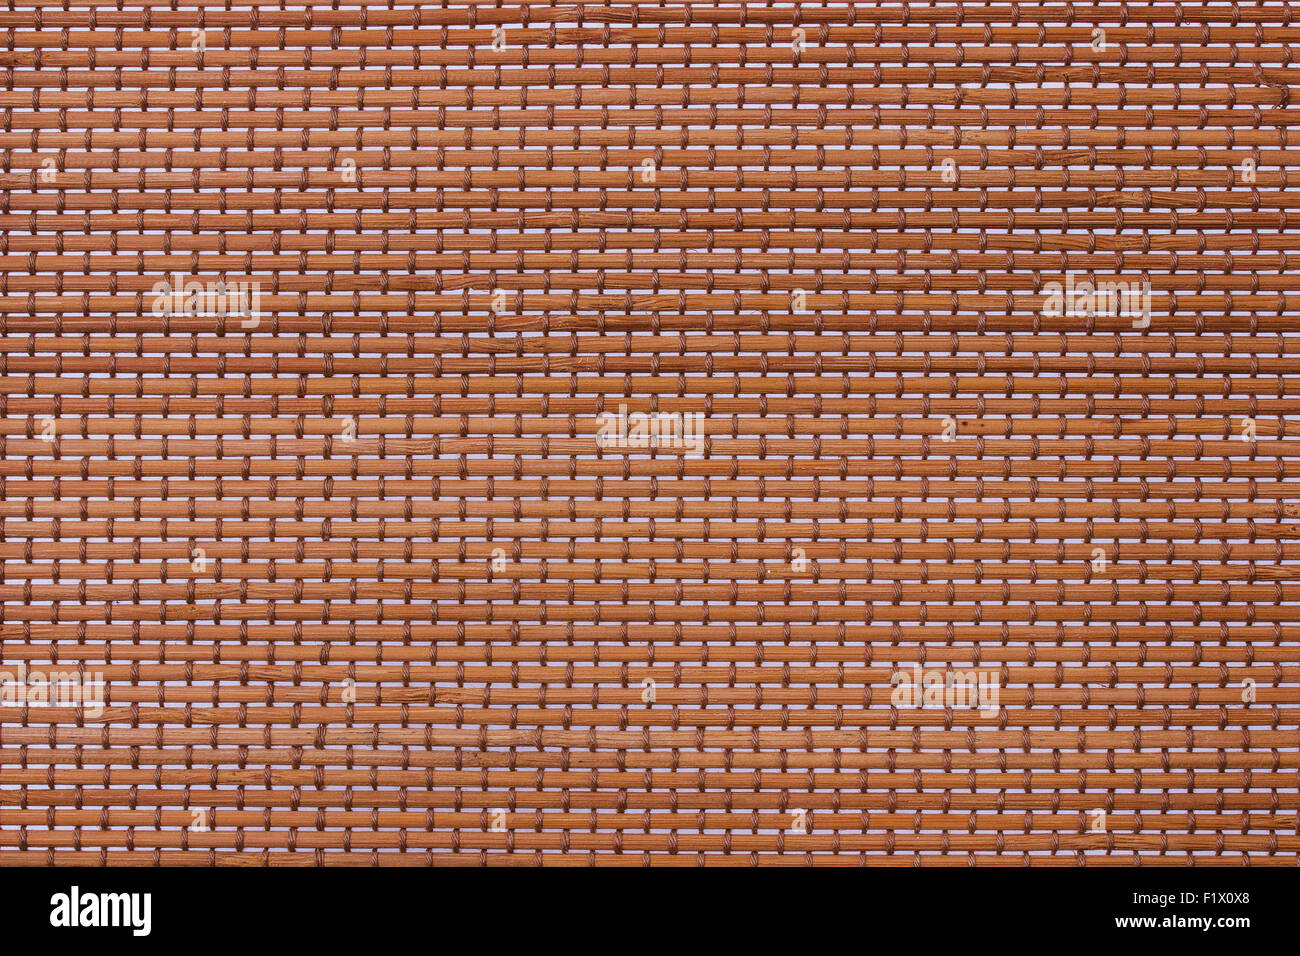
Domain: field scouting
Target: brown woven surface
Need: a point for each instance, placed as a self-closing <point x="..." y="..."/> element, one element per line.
<point x="472" y="634"/>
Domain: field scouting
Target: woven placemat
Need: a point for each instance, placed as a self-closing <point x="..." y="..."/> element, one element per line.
<point x="707" y="434"/>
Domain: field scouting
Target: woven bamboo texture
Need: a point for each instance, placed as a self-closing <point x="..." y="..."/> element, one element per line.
<point x="363" y="581"/>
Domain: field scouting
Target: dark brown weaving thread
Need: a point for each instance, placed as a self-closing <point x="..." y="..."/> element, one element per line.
<point x="361" y="580"/>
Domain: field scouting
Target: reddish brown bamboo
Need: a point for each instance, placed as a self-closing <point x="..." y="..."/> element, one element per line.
<point x="342" y="562"/>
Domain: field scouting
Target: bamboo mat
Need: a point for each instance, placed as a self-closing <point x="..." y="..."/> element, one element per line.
<point x="730" y="434"/>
